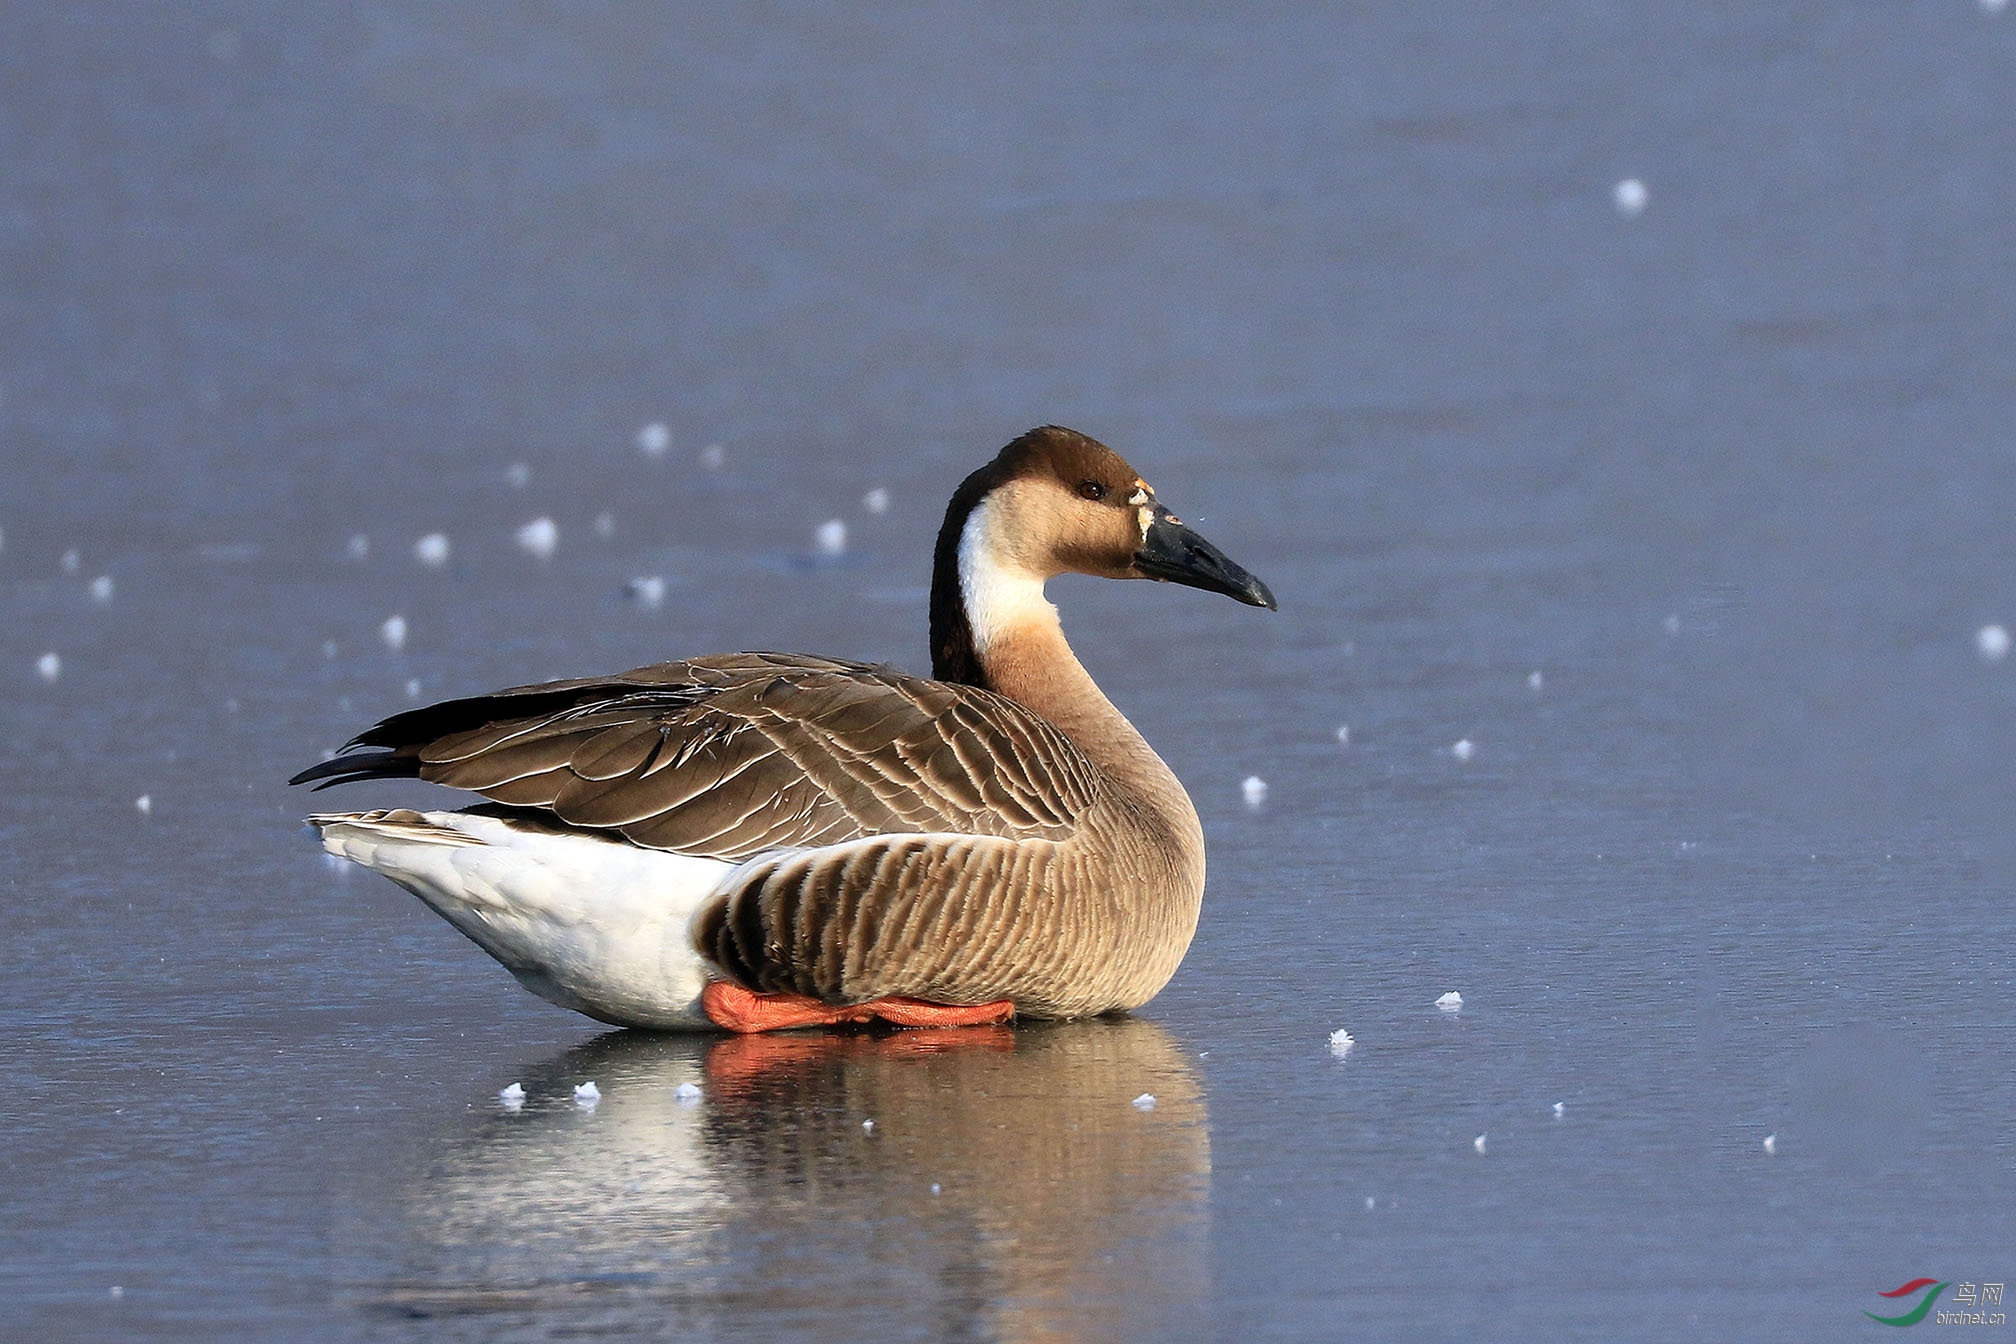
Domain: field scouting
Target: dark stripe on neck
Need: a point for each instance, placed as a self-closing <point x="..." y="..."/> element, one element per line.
<point x="953" y="657"/>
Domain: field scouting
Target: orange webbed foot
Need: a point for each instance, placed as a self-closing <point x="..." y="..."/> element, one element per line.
<point x="740" y="1010"/>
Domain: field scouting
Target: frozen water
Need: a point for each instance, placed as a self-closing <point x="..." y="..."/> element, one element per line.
<point x="1343" y="287"/>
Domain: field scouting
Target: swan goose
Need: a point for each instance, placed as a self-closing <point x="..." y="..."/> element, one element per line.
<point x="760" y="840"/>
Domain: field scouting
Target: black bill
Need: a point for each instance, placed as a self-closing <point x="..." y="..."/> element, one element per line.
<point x="1172" y="551"/>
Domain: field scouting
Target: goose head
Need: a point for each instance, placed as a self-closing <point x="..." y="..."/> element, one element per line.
<point x="1056" y="502"/>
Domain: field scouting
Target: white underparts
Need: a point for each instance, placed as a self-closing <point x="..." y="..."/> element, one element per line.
<point x="1000" y="594"/>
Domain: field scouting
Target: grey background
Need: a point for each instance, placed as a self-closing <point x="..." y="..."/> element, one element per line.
<point x="1349" y="286"/>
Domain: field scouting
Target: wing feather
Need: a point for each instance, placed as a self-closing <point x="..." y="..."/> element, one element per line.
<point x="735" y="755"/>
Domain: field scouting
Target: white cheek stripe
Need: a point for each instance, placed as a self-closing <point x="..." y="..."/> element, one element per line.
<point x="999" y="594"/>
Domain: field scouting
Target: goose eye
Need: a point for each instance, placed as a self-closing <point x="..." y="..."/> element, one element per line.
<point x="1091" y="489"/>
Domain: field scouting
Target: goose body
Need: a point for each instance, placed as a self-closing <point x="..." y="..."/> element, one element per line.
<point x="761" y="839"/>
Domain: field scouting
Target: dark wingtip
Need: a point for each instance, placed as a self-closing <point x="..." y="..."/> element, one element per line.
<point x="358" y="765"/>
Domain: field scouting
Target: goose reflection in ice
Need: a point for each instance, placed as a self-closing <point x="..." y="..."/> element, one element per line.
<point x="987" y="1183"/>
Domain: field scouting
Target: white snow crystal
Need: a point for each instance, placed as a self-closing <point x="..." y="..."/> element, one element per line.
<point x="605" y="525"/>
<point x="328" y="648"/>
<point x="1631" y="196"/>
<point x="518" y="475"/>
<point x="647" y="590"/>
<point x="412" y="688"/>
<point x="1993" y="6"/>
<point x="1145" y="1102"/>
<point x="1478" y="1142"/>
<point x="1560" y="1109"/>
<point x="1341" y="1042"/>
<point x="1254" y="789"/>
<point x="867" y="1126"/>
<point x="1343" y="734"/>
<point x="830" y="538"/>
<point x="393" y="632"/>
<point x="101" y="589"/>
<point x="72" y="562"/>
<point x="1450" y="1002"/>
<point x="1534" y="681"/>
<point x="876" y="500"/>
<point x="713" y="456"/>
<point x="1992" y="643"/>
<point x="432" y="549"/>
<point x="49" y="667"/>
<point x="687" y="1094"/>
<point x="654" y="439"/>
<point x="539" y="537"/>
<point x="1464" y="749"/>
<point x="357" y="548"/>
<point x="145" y="802"/>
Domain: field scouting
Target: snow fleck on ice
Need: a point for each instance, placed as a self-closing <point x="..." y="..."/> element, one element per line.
<point x="539" y="537"/>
